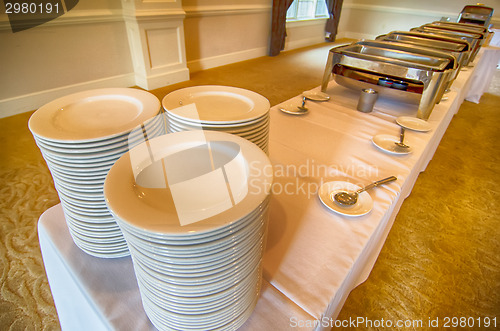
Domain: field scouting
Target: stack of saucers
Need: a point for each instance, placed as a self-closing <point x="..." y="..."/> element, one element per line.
<point x="81" y="136"/>
<point x="193" y="207"/>
<point x="219" y="108"/>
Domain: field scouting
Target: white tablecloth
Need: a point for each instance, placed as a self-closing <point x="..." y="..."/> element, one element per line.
<point x="314" y="258"/>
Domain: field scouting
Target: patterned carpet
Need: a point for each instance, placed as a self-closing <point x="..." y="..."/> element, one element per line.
<point x="440" y="259"/>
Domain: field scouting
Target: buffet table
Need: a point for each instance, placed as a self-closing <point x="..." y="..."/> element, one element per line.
<point x="314" y="257"/>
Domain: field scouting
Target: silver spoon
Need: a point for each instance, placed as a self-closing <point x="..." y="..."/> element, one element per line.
<point x="400" y="143"/>
<point x="350" y="198"/>
<point x="300" y="110"/>
<point x="303" y="106"/>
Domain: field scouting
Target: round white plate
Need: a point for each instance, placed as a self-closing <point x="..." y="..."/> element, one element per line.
<point x="221" y="125"/>
<point x="413" y="123"/>
<point x="362" y="207"/>
<point x="386" y="143"/>
<point x="292" y="109"/>
<point x="94" y="115"/>
<point x="216" y="104"/>
<point x="194" y="238"/>
<point x="264" y="123"/>
<point x="136" y="133"/>
<point x="154" y="209"/>
<point x="75" y="151"/>
<point x="316" y="95"/>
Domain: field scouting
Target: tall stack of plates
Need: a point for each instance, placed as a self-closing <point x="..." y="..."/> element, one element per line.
<point x="219" y="108"/>
<point x="193" y="208"/>
<point x="80" y="137"/>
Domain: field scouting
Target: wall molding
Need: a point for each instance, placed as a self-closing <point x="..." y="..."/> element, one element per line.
<point x="220" y="60"/>
<point x="32" y="101"/>
<point x="222" y="10"/>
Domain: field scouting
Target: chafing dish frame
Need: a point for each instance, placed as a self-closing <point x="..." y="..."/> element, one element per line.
<point x="432" y="80"/>
<point x="459" y="48"/>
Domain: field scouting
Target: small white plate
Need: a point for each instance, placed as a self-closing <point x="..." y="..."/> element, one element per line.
<point x="316" y="95"/>
<point x="214" y="104"/>
<point x="292" y="109"/>
<point x="362" y="207"/>
<point x="387" y="143"/>
<point x="413" y="123"/>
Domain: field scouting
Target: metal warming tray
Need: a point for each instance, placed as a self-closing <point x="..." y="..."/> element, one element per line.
<point x="462" y="26"/>
<point x="395" y="71"/>
<point x="475" y="39"/>
<point x="452" y="68"/>
<point x="459" y="48"/>
<point x="479" y="15"/>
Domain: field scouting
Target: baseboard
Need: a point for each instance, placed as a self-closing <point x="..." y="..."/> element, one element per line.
<point x="220" y="60"/>
<point x="289" y="45"/>
<point x="31" y="101"/>
<point x="162" y="79"/>
<point x="355" y="35"/>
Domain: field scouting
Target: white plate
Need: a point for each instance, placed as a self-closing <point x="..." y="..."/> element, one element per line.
<point x="197" y="238"/>
<point x="292" y="109"/>
<point x="72" y="151"/>
<point x="157" y="212"/>
<point x="259" y="125"/>
<point x="216" y="104"/>
<point x="362" y="207"/>
<point x="156" y="123"/>
<point x="316" y="95"/>
<point x="94" y="115"/>
<point x="387" y="142"/>
<point x="413" y="123"/>
<point x="221" y="125"/>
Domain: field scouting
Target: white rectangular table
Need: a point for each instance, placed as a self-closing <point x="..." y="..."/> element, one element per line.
<point x="314" y="258"/>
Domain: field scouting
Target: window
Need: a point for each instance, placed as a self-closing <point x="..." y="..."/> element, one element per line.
<point x="306" y="10"/>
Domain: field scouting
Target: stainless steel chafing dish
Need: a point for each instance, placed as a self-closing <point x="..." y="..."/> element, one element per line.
<point x="462" y="26"/>
<point x="475" y="39"/>
<point x="479" y="15"/>
<point x="453" y="67"/>
<point x="394" y="70"/>
<point x="459" y="48"/>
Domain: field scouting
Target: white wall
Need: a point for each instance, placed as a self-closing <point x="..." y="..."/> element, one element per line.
<point x="370" y="18"/>
<point x="222" y="32"/>
<point x="88" y="47"/>
<point x="83" y="49"/>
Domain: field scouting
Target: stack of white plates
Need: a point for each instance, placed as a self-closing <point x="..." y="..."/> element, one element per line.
<point x="80" y="137"/>
<point x="193" y="208"/>
<point x="219" y="108"/>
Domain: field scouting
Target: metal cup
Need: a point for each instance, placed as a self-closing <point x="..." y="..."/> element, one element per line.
<point x="367" y="100"/>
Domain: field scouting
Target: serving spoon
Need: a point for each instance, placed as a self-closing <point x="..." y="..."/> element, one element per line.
<point x="303" y="107"/>
<point x="400" y="143"/>
<point x="350" y="198"/>
<point x="300" y="110"/>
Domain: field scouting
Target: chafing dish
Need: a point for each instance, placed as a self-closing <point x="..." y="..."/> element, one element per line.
<point x="479" y="15"/>
<point x="474" y="39"/>
<point x="462" y="26"/>
<point x="394" y="70"/>
<point x="459" y="48"/>
<point x="452" y="69"/>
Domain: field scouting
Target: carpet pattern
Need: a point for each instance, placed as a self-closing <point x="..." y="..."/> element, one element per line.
<point x="440" y="259"/>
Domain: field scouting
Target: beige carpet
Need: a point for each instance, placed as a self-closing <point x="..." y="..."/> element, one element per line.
<point x="440" y="259"/>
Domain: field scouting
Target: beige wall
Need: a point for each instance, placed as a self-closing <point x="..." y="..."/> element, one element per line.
<point x="88" y="47"/>
<point x="83" y="49"/>
<point x="222" y="32"/>
<point x="370" y="18"/>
